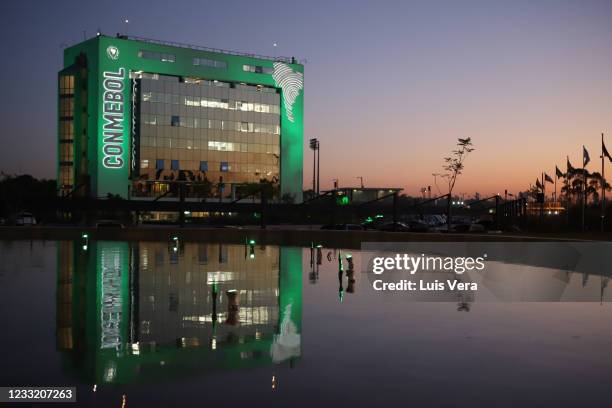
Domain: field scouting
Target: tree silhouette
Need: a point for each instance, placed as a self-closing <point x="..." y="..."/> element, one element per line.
<point x="575" y="180"/>
<point x="454" y="164"/>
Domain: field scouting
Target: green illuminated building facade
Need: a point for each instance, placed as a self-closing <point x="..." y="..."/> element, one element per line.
<point x="138" y="118"/>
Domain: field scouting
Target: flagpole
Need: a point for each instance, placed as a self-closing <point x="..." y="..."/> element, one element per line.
<point x="603" y="186"/>
<point x="583" y="189"/>
<point x="543" y="200"/>
<point x="555" y="195"/>
<point x="567" y="193"/>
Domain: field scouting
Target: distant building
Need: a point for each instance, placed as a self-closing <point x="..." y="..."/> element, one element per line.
<point x="139" y="117"/>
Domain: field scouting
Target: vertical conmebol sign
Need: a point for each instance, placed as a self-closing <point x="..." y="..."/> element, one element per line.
<point x="112" y="264"/>
<point x="111" y="302"/>
<point x="113" y="119"/>
<point x="113" y="124"/>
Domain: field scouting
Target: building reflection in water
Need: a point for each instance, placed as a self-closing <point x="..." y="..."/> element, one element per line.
<point x="131" y="312"/>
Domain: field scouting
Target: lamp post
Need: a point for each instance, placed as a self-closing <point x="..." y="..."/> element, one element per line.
<point x="318" y="167"/>
<point x="315" y="146"/>
<point x="361" y="179"/>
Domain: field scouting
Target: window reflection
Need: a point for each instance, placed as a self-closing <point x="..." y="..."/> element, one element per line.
<point x="122" y="309"/>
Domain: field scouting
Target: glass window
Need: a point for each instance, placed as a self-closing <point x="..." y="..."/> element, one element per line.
<point x="167" y="57"/>
<point x="66" y="151"/>
<point x="66" y="85"/>
<point x="66" y="176"/>
<point x="144" y="164"/>
<point x="258" y="69"/>
<point x="160" y="56"/>
<point x="66" y="129"/>
<point x="210" y="63"/>
<point x="199" y="133"/>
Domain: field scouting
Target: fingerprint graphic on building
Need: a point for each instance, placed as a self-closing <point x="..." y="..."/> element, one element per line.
<point x="290" y="82"/>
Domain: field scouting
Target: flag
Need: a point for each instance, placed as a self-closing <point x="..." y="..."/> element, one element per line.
<point x="558" y="172"/>
<point x="538" y="184"/>
<point x="585" y="157"/>
<point x="548" y="178"/>
<point x="570" y="169"/>
<point x="604" y="151"/>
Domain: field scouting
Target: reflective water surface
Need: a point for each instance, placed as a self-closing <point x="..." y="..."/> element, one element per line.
<point x="166" y="323"/>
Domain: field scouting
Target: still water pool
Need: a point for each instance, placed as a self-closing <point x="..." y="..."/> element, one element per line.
<point x="196" y="324"/>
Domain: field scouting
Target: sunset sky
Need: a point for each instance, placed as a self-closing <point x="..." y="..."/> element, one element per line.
<point x="389" y="86"/>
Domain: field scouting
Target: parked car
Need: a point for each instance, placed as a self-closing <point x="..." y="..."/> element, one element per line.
<point x="371" y="225"/>
<point x="342" y="227"/>
<point x="460" y="227"/>
<point x="418" y="226"/>
<point x="394" y="226"/>
<point x="434" y="220"/>
<point x="487" y="224"/>
<point x="475" y="227"/>
<point x="25" y="219"/>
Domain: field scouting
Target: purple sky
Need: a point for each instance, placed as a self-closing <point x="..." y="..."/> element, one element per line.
<point x="389" y="85"/>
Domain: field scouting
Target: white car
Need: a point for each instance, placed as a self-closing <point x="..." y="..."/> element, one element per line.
<point x="25" y="219"/>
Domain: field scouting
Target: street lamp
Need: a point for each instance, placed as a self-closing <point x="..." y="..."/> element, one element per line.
<point x="360" y="178"/>
<point x="316" y="156"/>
